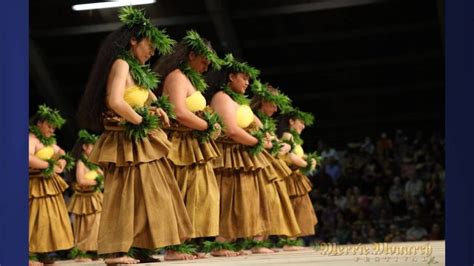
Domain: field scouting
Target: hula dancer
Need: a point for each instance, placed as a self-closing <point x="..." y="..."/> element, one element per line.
<point x="298" y="185"/>
<point x="86" y="202"/>
<point x="241" y="170"/>
<point x="49" y="225"/>
<point x="265" y="102"/>
<point x="142" y="207"/>
<point x="192" y="132"/>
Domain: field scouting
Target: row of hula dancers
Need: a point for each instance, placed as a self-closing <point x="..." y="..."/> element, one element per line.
<point x="170" y="172"/>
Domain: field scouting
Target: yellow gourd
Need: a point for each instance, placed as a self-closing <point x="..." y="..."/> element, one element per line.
<point x="45" y="153"/>
<point x="299" y="151"/>
<point x="195" y="102"/>
<point x="136" y="96"/>
<point x="244" y="116"/>
<point x="91" y="175"/>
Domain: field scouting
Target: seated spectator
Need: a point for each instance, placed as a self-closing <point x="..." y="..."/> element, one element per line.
<point x="367" y="146"/>
<point x="340" y="200"/>
<point x="356" y="238"/>
<point x="384" y="144"/>
<point x="435" y="233"/>
<point x="396" y="197"/>
<point x="416" y="232"/>
<point x="373" y="236"/>
<point x="328" y="153"/>
<point x="343" y="234"/>
<point x="394" y="235"/>
<point x="333" y="169"/>
<point x="413" y="187"/>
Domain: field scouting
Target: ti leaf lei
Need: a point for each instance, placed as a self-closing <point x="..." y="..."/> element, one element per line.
<point x="257" y="148"/>
<point x="210" y="133"/>
<point x="309" y="170"/>
<point x="269" y="124"/>
<point x="237" y="97"/>
<point x="196" y="78"/>
<point x="164" y="103"/>
<point x="141" y="74"/>
<point x="89" y="165"/>
<point x="296" y="137"/>
<point x="140" y="131"/>
<point x="47" y="141"/>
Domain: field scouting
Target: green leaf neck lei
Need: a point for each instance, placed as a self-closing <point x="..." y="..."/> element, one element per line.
<point x="47" y="141"/>
<point x="269" y="124"/>
<point x="196" y="78"/>
<point x="296" y="137"/>
<point x="89" y="165"/>
<point x="141" y="74"/>
<point x="237" y="97"/>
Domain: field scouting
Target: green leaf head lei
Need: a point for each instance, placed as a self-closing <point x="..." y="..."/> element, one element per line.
<point x="240" y="67"/>
<point x="194" y="41"/>
<point x="86" y="137"/>
<point x="305" y="117"/>
<point x="131" y="17"/>
<point x="261" y="91"/>
<point x="51" y="116"/>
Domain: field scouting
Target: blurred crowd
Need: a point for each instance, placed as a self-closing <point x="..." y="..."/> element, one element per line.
<point x="390" y="189"/>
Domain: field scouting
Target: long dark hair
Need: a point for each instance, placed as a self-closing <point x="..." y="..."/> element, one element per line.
<point x="76" y="152"/>
<point x="92" y="103"/>
<point x="283" y="124"/>
<point x="215" y="80"/>
<point x="167" y="63"/>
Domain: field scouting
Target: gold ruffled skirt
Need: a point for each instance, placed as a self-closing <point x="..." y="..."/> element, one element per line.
<point x="193" y="169"/>
<point x="298" y="186"/>
<point x="86" y="205"/>
<point x="142" y="204"/>
<point x="244" y="209"/>
<point x="282" y="216"/>
<point x="49" y="226"/>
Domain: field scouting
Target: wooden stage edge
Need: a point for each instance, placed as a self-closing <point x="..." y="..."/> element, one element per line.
<point x="380" y="254"/>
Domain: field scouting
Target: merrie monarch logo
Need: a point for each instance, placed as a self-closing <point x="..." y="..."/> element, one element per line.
<point x="377" y="249"/>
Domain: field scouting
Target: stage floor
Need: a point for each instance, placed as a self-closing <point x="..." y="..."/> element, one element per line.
<point x="383" y="254"/>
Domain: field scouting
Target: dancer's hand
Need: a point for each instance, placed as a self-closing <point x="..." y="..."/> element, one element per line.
<point x="164" y="117"/>
<point x="218" y="131"/>
<point x="267" y="143"/>
<point x="285" y="148"/>
<point x="58" y="169"/>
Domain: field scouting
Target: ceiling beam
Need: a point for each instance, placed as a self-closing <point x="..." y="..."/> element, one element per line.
<point x="220" y="16"/>
<point x="303" y="8"/>
<point x="108" y="27"/>
<point x="183" y="20"/>
<point x="341" y="35"/>
<point x="344" y="64"/>
<point x="373" y="91"/>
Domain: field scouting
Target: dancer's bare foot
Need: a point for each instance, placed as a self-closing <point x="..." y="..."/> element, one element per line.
<point x="83" y="260"/>
<point x="262" y="250"/>
<point x="199" y="255"/>
<point x="244" y="252"/>
<point x="275" y="249"/>
<point x="292" y="248"/>
<point x="34" y="263"/>
<point x="173" y="255"/>
<point x="121" y="260"/>
<point x="223" y="253"/>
